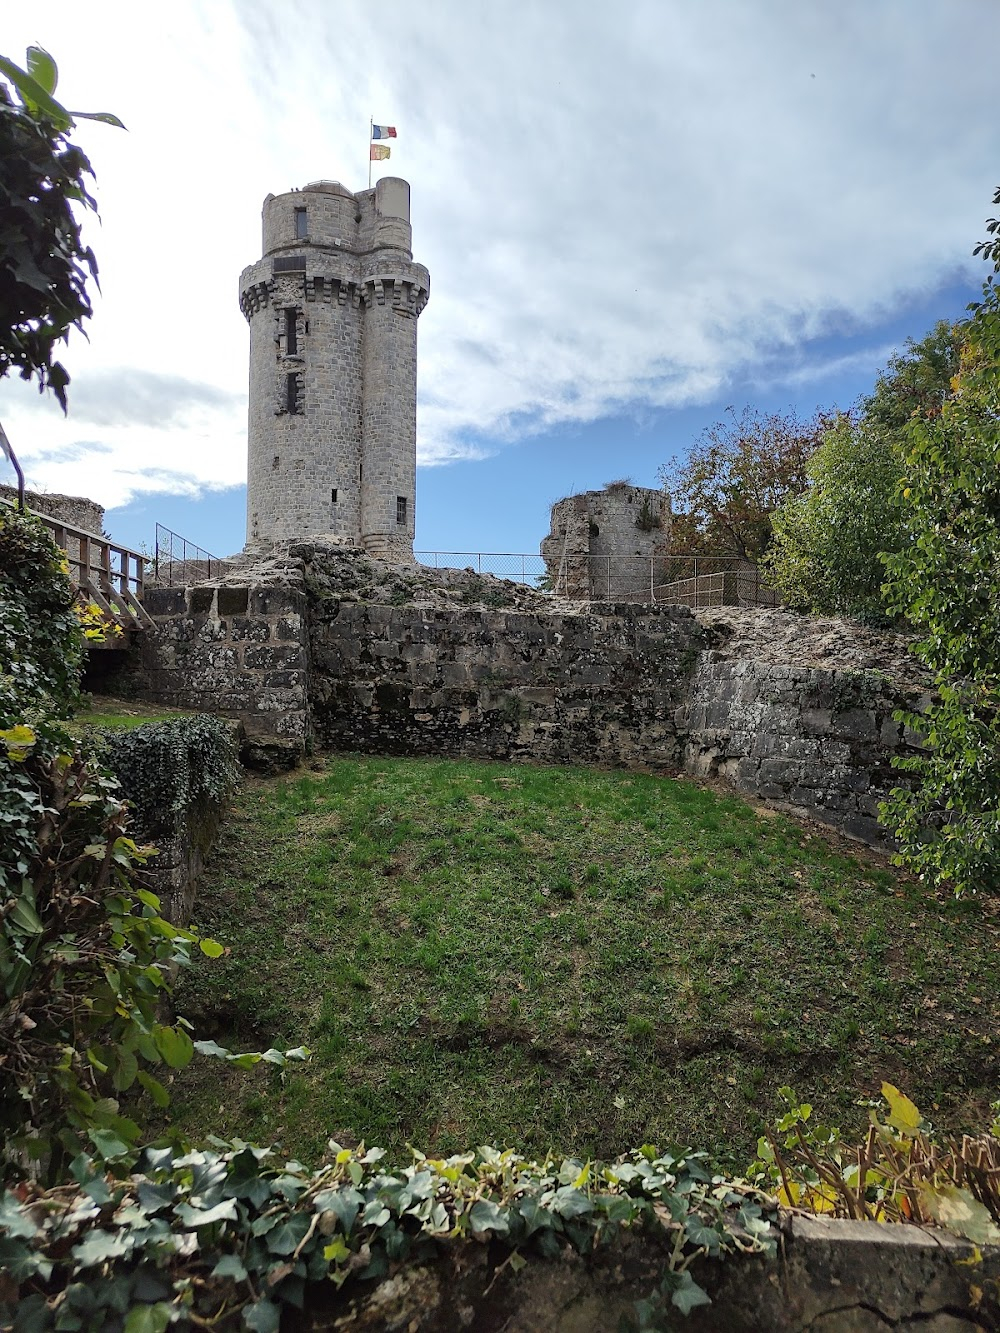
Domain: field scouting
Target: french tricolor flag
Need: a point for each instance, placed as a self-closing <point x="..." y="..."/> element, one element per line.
<point x="383" y="131"/>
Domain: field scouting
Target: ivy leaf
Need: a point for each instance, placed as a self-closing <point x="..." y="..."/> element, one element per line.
<point x="98" y="1246"/>
<point x="284" y="1238"/>
<point x="571" y="1202"/>
<point x="230" y="1265"/>
<point x="203" y="1217"/>
<point x="687" y="1294"/>
<point x="107" y="1143"/>
<point x="345" y="1203"/>
<point x="536" y="1217"/>
<point x="264" y="1317"/>
<point x="700" y="1235"/>
<point x="148" y="1318"/>
<point x="15" y="1220"/>
<point x="617" y="1207"/>
<point x="484" y="1215"/>
<point x="211" y="948"/>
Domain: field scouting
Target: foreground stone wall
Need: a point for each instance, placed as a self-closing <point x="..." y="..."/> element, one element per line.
<point x="599" y="688"/>
<point x="240" y="651"/>
<point x="376" y="658"/>
<point x="817" y="740"/>
<point x="183" y="836"/>
<point x="838" y="1277"/>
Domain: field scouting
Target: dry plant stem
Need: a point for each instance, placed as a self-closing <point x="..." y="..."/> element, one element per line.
<point x="836" y="1182"/>
<point x="780" y="1162"/>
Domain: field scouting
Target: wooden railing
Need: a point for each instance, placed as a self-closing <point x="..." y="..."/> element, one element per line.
<point x="102" y="572"/>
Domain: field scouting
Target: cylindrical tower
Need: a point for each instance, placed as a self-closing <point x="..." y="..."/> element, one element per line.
<point x="333" y="309"/>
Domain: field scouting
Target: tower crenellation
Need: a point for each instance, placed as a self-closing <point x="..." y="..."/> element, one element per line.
<point x="332" y="308"/>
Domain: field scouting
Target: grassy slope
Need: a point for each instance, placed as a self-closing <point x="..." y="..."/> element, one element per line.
<point x="570" y="959"/>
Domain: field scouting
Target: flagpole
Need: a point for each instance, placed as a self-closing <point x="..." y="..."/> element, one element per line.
<point x="371" y="130"/>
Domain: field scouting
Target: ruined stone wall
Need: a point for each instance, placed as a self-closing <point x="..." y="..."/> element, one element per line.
<point x="76" y="510"/>
<point x="818" y="740"/>
<point x="830" y="1276"/>
<point x="240" y="651"/>
<point x="603" y="544"/>
<point x="599" y="688"/>
<point x="789" y="708"/>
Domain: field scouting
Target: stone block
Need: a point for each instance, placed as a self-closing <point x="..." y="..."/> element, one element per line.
<point x="854" y="723"/>
<point x="200" y="601"/>
<point x="233" y="601"/>
<point x="289" y="628"/>
<point x="272" y="601"/>
<point x="284" y="680"/>
<point x="271" y="657"/>
<point x="164" y="601"/>
<point x="252" y="629"/>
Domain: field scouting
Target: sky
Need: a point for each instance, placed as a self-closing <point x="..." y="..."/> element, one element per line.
<point x="634" y="215"/>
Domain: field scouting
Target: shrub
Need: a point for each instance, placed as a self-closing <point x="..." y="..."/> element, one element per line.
<point x="41" y="648"/>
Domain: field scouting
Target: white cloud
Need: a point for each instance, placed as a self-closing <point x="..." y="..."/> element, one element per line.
<point x="622" y="207"/>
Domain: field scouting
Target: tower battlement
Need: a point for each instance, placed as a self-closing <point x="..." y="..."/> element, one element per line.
<point x="332" y="307"/>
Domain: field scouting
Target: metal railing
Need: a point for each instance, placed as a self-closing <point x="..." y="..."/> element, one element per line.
<point x="178" y="562"/>
<point x="677" y="580"/>
<point x="518" y="566"/>
<point x="102" y="572"/>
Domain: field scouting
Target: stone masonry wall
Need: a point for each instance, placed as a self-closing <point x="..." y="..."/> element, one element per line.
<point x="599" y="688"/>
<point x="818" y="740"/>
<point x="789" y="708"/>
<point x="241" y="651"/>
<point x="76" y="510"/>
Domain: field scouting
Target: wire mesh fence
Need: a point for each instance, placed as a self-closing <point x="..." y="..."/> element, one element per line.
<point x="178" y="562"/>
<point x="678" y="580"/>
<point x="520" y="567"/>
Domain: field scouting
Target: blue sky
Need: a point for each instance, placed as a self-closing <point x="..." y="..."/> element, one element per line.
<point x="634" y="216"/>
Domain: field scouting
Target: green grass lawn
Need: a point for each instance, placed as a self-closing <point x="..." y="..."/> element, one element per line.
<point x="102" y="711"/>
<point x="568" y="959"/>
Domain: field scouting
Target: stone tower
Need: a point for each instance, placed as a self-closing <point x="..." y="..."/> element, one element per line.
<point x="333" y="309"/>
<point x="609" y="545"/>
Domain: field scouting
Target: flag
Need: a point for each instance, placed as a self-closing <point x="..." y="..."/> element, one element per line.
<point x="383" y="131"/>
<point x="380" y="152"/>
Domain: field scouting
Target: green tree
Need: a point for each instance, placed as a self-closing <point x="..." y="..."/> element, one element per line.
<point x="739" y="471"/>
<point x="44" y="265"/>
<point x="915" y="380"/>
<point x="829" y="541"/>
<point x="946" y="581"/>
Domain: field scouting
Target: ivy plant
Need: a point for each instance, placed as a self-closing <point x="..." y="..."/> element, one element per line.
<point x="231" y="1236"/>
